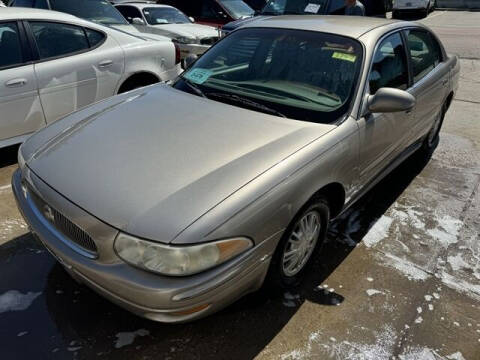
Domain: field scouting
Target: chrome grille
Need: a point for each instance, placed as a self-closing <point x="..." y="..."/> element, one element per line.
<point x="209" y="41"/>
<point x="65" y="226"/>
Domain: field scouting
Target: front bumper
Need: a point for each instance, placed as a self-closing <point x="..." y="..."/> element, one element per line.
<point x="156" y="297"/>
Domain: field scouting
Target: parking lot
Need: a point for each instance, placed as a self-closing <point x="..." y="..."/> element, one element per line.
<point x="399" y="277"/>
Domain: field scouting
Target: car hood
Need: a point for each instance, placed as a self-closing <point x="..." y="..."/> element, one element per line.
<point x="195" y="31"/>
<point x="153" y="161"/>
<point x="240" y="22"/>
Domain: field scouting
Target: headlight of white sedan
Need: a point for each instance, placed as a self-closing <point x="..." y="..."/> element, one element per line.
<point x="185" y="40"/>
<point x="178" y="260"/>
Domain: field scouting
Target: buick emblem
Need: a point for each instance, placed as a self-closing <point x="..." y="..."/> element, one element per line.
<point x="48" y="213"/>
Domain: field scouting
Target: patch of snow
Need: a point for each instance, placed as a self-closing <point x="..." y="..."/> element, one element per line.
<point x="369" y="279"/>
<point x="127" y="338"/>
<point x="418" y="353"/>
<point x="456" y="356"/>
<point x="436" y="296"/>
<point x="447" y="231"/>
<point x="456" y="323"/>
<point x="378" y="231"/>
<point x="22" y="333"/>
<point x="290" y="296"/>
<point x="382" y="349"/>
<point x="371" y="292"/>
<point x="460" y="285"/>
<point x="456" y="262"/>
<point x="419" y="310"/>
<point x="418" y="320"/>
<point x="407" y="268"/>
<point x="74" y="348"/>
<point x="289" y="303"/>
<point x="14" y="300"/>
<point x="428" y="297"/>
<point x="430" y="307"/>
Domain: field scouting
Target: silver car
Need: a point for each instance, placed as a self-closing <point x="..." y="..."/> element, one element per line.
<point x="53" y="63"/>
<point x="174" y="201"/>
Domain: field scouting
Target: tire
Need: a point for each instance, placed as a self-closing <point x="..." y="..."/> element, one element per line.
<point x="431" y="140"/>
<point x="279" y="276"/>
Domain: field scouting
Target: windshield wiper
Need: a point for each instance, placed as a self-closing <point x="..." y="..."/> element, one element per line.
<point x="244" y="101"/>
<point x="194" y="87"/>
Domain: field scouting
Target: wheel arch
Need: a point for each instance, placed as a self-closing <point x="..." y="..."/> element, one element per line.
<point x="141" y="77"/>
<point x="335" y="195"/>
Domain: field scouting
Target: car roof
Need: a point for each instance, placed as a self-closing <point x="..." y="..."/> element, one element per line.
<point x="142" y="5"/>
<point x="352" y="26"/>
<point x="14" y="13"/>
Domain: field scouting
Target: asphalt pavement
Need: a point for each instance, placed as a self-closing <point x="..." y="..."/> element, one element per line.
<point x="399" y="277"/>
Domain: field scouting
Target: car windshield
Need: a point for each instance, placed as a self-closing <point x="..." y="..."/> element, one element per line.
<point x="99" y="11"/>
<point x="164" y="15"/>
<point x="301" y="7"/>
<point x="237" y="8"/>
<point x="303" y="75"/>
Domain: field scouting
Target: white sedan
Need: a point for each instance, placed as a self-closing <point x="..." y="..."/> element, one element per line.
<point x="52" y="64"/>
<point x="170" y="22"/>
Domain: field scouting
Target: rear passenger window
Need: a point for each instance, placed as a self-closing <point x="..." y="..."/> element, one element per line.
<point x="389" y="68"/>
<point x="10" y="49"/>
<point x="424" y="53"/>
<point x="55" y="39"/>
<point x="94" y="37"/>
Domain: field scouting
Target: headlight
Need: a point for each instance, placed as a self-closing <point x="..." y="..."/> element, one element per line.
<point x="178" y="260"/>
<point x="185" y="40"/>
<point x="20" y="159"/>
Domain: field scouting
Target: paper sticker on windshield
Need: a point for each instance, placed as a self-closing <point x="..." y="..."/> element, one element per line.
<point x="343" y="56"/>
<point x="198" y="75"/>
<point x="312" y="8"/>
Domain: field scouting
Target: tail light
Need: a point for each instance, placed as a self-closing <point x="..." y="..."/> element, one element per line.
<point x="178" y="57"/>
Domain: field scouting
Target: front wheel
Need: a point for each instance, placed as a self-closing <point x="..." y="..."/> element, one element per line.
<point x="302" y="239"/>
<point x="433" y="136"/>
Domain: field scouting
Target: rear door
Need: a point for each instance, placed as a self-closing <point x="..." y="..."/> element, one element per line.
<point x="76" y="66"/>
<point x="430" y="78"/>
<point x="20" y="109"/>
<point x="383" y="135"/>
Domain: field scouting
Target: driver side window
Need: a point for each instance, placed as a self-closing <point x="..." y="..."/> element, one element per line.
<point x="389" y="68"/>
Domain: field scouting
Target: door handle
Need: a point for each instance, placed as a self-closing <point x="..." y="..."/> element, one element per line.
<point x="16" y="83"/>
<point x="105" y="63"/>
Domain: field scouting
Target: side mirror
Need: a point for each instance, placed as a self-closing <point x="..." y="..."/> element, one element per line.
<point x="189" y="60"/>
<point x="191" y="19"/>
<point x="389" y="100"/>
<point x="137" y="21"/>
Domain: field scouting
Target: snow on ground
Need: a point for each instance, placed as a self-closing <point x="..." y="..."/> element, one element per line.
<point x="378" y="231"/>
<point x="14" y="300"/>
<point x="127" y="338"/>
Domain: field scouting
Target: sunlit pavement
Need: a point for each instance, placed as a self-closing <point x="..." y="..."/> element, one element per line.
<point x="399" y="276"/>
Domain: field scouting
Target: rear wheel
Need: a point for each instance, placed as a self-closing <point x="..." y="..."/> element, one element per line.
<point x="300" y="242"/>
